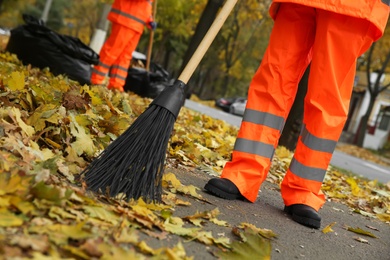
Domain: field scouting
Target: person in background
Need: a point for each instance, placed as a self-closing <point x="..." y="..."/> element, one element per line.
<point x="330" y="35"/>
<point x="128" y="18"/>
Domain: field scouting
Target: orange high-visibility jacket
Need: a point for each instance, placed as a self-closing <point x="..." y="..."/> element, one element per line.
<point x="134" y="14"/>
<point x="375" y="11"/>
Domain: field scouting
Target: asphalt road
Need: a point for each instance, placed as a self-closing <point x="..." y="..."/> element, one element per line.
<point x="344" y="161"/>
<point x="293" y="240"/>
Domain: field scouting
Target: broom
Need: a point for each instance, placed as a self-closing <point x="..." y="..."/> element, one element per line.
<point x="133" y="164"/>
<point x="151" y="36"/>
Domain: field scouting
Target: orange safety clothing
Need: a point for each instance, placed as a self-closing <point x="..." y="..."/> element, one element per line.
<point x="331" y="42"/>
<point x="134" y="14"/>
<point x="128" y="19"/>
<point x="374" y="11"/>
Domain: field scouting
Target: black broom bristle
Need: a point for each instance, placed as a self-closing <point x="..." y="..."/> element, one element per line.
<point x="133" y="164"/>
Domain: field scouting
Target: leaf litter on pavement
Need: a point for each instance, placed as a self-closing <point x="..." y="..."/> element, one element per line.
<point x="52" y="127"/>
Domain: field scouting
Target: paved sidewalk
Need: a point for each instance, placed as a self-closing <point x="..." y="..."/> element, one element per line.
<point x="294" y="241"/>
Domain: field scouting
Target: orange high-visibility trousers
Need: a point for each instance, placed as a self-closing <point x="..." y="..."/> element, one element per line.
<point x="332" y="43"/>
<point x="115" y="57"/>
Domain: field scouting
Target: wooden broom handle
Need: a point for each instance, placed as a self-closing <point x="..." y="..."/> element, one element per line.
<point x="206" y="41"/>
<point x="151" y="36"/>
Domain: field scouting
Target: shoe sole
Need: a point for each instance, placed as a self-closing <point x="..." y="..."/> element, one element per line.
<point x="222" y="194"/>
<point x="308" y="222"/>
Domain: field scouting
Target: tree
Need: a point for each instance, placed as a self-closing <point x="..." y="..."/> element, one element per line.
<point x="374" y="89"/>
<point x="206" y="20"/>
<point x="176" y="23"/>
<point x="11" y="12"/>
<point x="55" y="16"/>
<point x="236" y="52"/>
<point x="239" y="38"/>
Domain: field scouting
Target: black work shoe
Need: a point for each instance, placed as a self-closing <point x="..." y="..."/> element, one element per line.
<point x="304" y="215"/>
<point x="223" y="188"/>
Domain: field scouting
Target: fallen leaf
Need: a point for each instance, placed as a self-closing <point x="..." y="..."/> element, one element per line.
<point x="255" y="247"/>
<point x="361" y="240"/>
<point x="360" y="231"/>
<point x="9" y="219"/>
<point x="16" y="81"/>
<point x="371" y="227"/>
<point x="328" y="228"/>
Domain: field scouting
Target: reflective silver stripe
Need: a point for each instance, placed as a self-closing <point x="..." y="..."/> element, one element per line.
<point x="119" y="67"/>
<point x="117" y="76"/>
<point x="316" y="143"/>
<point x="254" y="147"/>
<point x="98" y="72"/>
<point x="262" y="118"/>
<point x="127" y="15"/>
<point x="103" y="65"/>
<point x="305" y="172"/>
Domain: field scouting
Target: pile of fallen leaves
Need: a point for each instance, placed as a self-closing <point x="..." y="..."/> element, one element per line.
<point x="52" y="127"/>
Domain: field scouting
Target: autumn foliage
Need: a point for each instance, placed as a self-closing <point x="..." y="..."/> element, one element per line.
<point x="52" y="127"/>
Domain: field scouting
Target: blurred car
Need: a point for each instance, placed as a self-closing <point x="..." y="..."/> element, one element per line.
<point x="225" y="103"/>
<point x="238" y="107"/>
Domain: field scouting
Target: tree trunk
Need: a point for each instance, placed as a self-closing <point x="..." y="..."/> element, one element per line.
<point x="205" y="21"/>
<point x="100" y="32"/>
<point x="364" y="122"/>
<point x="374" y="89"/>
<point x="292" y="128"/>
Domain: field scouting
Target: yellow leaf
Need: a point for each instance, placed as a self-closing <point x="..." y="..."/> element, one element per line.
<point x="145" y="248"/>
<point x="61" y="233"/>
<point x="196" y="221"/>
<point x="8" y="219"/>
<point x="11" y="183"/>
<point x="361" y="231"/>
<point x="102" y="214"/>
<point x="76" y="251"/>
<point x="178" y="229"/>
<point x="384" y="217"/>
<point x="354" y="186"/>
<point x="190" y="190"/>
<point x="4" y="202"/>
<point x="16" y="82"/>
<point x="221" y="223"/>
<point x="84" y="142"/>
<point x="328" y="228"/>
<point x="29" y="130"/>
<point x="255" y="247"/>
<point x="266" y="233"/>
<point x="24" y="206"/>
<point x="126" y="235"/>
<point x="59" y="214"/>
<point x="178" y="252"/>
<point x="170" y="177"/>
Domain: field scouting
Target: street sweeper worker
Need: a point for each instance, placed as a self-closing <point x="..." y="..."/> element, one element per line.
<point x="128" y="18"/>
<point x="330" y="35"/>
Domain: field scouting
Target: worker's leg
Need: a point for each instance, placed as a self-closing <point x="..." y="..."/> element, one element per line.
<point x="111" y="50"/>
<point x="339" y="41"/>
<point x="270" y="97"/>
<point x="120" y="67"/>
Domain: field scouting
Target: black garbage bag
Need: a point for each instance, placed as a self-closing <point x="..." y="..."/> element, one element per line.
<point x="147" y="83"/>
<point x="35" y="44"/>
